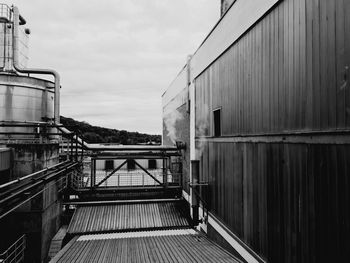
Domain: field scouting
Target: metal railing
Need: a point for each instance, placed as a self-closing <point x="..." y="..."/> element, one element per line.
<point x="15" y="253"/>
<point x="18" y="192"/>
<point x="125" y="178"/>
<point x="62" y="183"/>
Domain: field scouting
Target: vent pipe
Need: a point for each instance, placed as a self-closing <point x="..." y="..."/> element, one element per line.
<point x="17" y="20"/>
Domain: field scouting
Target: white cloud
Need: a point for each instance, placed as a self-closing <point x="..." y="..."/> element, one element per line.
<point x="116" y="57"/>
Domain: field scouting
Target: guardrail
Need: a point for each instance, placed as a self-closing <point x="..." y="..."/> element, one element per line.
<point x="15" y="253"/>
<point x="125" y="178"/>
<point x="18" y="192"/>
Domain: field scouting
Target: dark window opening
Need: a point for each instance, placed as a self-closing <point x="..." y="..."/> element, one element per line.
<point x="130" y="164"/>
<point x="152" y="164"/>
<point x="217" y="123"/>
<point x="109" y="165"/>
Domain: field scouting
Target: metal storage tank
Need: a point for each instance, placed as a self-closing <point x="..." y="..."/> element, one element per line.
<point x="24" y="100"/>
<point x="27" y="104"/>
<point x="29" y="113"/>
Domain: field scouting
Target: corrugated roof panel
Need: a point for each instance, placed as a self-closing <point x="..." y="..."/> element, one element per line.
<point x="180" y="247"/>
<point x="121" y="235"/>
<point x="107" y="218"/>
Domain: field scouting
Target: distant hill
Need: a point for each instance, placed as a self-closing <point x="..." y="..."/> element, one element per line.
<point x="95" y="134"/>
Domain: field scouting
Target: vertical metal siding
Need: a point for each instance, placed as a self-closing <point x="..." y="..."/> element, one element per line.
<point x="289" y="202"/>
<point x="288" y="73"/>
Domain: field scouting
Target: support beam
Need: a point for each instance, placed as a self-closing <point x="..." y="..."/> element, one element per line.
<point x="113" y="172"/>
<point x="147" y="172"/>
<point x="93" y="173"/>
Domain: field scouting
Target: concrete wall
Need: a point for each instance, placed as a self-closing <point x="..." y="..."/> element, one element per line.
<point x="5" y="165"/>
<point x="52" y="210"/>
<point x="38" y="218"/>
<point x="29" y="158"/>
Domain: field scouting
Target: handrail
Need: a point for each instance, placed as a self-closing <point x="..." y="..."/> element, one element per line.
<point x="15" y="252"/>
<point x="99" y="147"/>
<point x="31" y="175"/>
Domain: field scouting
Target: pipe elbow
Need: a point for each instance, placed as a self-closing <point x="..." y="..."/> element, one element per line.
<point x="18" y="20"/>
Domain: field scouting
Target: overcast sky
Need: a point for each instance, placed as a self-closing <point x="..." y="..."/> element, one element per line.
<point x="115" y="57"/>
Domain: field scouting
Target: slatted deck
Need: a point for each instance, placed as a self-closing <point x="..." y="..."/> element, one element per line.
<point x="185" y="245"/>
<point x="122" y="217"/>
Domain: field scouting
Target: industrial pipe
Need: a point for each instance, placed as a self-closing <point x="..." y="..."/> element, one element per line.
<point x="20" y="179"/>
<point x="16" y="22"/>
<point x="99" y="147"/>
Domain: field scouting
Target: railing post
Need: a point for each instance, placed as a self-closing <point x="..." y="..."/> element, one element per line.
<point x="93" y="172"/>
<point x="165" y="172"/>
<point x="67" y="152"/>
<point x="76" y="146"/>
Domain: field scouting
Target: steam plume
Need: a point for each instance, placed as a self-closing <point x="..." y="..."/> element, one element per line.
<point x="202" y="130"/>
<point x="170" y="120"/>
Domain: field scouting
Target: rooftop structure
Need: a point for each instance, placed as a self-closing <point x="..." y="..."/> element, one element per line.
<point x="262" y="107"/>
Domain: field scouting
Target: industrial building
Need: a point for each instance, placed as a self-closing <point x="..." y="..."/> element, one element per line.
<point x="253" y="163"/>
<point x="65" y="200"/>
<point x="263" y="108"/>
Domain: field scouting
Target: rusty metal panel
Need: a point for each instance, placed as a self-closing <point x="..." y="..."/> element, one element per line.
<point x="154" y="246"/>
<point x="107" y="218"/>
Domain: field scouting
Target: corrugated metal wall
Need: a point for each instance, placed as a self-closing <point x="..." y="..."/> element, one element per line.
<point x="288" y="74"/>
<point x="289" y="202"/>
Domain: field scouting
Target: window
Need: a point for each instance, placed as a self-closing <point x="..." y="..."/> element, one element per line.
<point x="109" y="165"/>
<point x="130" y="164"/>
<point x="217" y="122"/>
<point x="152" y="164"/>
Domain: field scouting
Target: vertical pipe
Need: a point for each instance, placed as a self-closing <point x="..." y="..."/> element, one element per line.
<point x="194" y="197"/>
<point x="93" y="173"/>
<point x="167" y="162"/>
<point x="188" y="84"/>
<point x="76" y="150"/>
<point x="16" y="18"/>
<point x="71" y="147"/>
<point x="164" y="171"/>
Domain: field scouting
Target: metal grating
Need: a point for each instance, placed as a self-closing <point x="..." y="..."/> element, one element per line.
<point x="119" y="217"/>
<point x="171" y="246"/>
